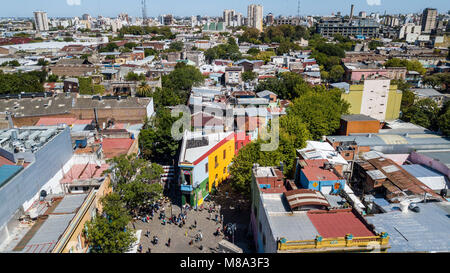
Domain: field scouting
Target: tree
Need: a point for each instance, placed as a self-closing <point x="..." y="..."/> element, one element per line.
<point x="413" y="65"/>
<point x="110" y="47"/>
<point x="86" y="86"/>
<point x="253" y="51"/>
<point x="133" y="77"/>
<point x="130" y="45"/>
<point x="43" y="62"/>
<point x="374" y="44"/>
<point x="320" y="111"/>
<point x="144" y="90"/>
<point x="444" y="123"/>
<point x="53" y="78"/>
<point x="423" y="113"/>
<point x="176" y="46"/>
<point x="156" y="142"/>
<point x="22" y="82"/>
<point x="287" y="85"/>
<point x="107" y="233"/>
<point x="136" y="181"/>
<point x="249" y="76"/>
<point x="336" y="73"/>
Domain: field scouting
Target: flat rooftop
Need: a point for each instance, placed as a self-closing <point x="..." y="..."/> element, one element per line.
<point x="425" y="231"/>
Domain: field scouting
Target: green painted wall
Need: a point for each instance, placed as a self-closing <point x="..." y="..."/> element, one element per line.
<point x="203" y="189"/>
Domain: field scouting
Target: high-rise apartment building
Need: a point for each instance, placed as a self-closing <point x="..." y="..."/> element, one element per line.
<point x="228" y="16"/>
<point x="255" y="16"/>
<point x="429" y="20"/>
<point x="41" y="21"/>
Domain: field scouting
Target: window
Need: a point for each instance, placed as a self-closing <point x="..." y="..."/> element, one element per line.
<point x="347" y="154"/>
<point x="206" y="167"/>
<point x="224" y="154"/>
<point x="215" y="161"/>
<point x="225" y="170"/>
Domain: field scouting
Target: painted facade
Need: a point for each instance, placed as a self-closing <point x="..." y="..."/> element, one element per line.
<point x="208" y="169"/>
<point x="375" y="98"/>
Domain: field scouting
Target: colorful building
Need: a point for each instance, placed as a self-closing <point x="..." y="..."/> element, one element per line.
<point x="204" y="162"/>
<point x="376" y="98"/>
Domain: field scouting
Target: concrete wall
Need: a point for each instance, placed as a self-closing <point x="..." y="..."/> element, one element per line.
<point x="375" y="98"/>
<point x="24" y="186"/>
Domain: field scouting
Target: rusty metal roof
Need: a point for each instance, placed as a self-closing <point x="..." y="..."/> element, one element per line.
<point x="398" y="178"/>
<point x="305" y="197"/>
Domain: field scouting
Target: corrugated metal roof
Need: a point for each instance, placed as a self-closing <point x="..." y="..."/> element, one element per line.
<point x="48" y="234"/>
<point x="426" y="231"/>
<point x="293" y="227"/>
<point x="338" y="223"/>
<point x="70" y="203"/>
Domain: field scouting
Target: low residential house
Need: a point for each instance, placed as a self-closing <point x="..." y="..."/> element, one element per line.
<point x="430" y="93"/>
<point x="233" y="75"/>
<point x="71" y="85"/>
<point x="249" y="65"/>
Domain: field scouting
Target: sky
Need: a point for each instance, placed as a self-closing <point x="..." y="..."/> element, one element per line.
<point x="111" y="8"/>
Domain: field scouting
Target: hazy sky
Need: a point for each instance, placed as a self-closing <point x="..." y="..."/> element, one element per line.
<point x="110" y="8"/>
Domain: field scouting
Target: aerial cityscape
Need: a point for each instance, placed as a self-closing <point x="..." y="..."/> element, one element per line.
<point x="256" y="128"/>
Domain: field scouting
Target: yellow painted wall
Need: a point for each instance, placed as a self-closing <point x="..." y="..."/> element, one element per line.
<point x="222" y="163"/>
<point x="71" y="243"/>
<point x="354" y="98"/>
<point x="394" y="103"/>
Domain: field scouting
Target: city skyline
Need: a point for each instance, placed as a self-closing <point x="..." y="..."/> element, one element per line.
<point x="111" y="8"/>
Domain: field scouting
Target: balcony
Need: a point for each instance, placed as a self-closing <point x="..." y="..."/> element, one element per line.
<point x="186" y="188"/>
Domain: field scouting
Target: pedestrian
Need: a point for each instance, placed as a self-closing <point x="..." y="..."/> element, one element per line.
<point x="210" y="215"/>
<point x="219" y="208"/>
<point x="149" y="250"/>
<point x="185" y="234"/>
<point x="217" y="216"/>
<point x="140" y="248"/>
<point x="195" y="223"/>
<point x="168" y="243"/>
<point x="134" y="227"/>
<point x="221" y="217"/>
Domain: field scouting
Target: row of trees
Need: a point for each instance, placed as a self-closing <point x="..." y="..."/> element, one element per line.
<point x="15" y="83"/>
<point x="155" y="140"/>
<point x="315" y="111"/>
<point x="163" y="32"/>
<point x="136" y="184"/>
<point x="423" y="112"/>
<point x="275" y="34"/>
<point x="229" y="51"/>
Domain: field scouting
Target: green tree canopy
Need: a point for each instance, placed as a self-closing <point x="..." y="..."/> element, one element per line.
<point x="413" y="65"/>
<point x="107" y="233"/>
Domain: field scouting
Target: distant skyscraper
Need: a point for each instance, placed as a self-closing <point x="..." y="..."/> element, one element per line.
<point x="270" y="19"/>
<point x="41" y="20"/>
<point x="228" y="16"/>
<point x="255" y="16"/>
<point x="144" y="9"/>
<point x="429" y="20"/>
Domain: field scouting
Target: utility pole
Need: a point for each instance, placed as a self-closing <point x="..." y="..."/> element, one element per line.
<point x="298" y="9"/>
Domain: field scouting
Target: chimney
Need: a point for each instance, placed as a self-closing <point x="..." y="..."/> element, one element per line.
<point x="351" y="12"/>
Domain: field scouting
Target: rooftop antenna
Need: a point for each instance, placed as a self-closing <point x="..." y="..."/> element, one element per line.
<point x="298" y="9"/>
